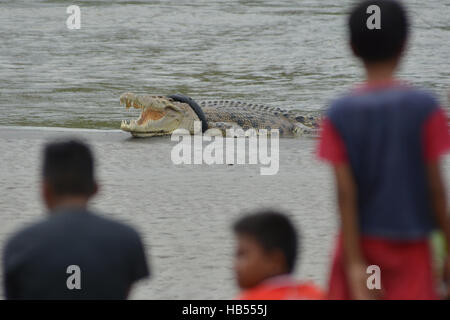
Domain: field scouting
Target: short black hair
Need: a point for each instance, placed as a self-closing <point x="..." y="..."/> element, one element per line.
<point x="69" y="168"/>
<point x="272" y="230"/>
<point x="375" y="45"/>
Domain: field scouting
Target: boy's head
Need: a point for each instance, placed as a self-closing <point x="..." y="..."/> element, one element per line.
<point x="383" y="44"/>
<point x="267" y="247"/>
<point x="67" y="172"/>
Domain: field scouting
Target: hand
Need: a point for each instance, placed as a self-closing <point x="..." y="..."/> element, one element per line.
<point x="357" y="281"/>
<point x="446" y="278"/>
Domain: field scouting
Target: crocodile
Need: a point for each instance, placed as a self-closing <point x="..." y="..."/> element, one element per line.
<point x="162" y="115"/>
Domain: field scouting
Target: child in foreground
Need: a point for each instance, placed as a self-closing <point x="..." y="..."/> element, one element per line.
<point x="265" y="259"/>
<point x="385" y="140"/>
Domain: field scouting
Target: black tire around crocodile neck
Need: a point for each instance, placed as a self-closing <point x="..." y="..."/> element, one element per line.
<point x="185" y="99"/>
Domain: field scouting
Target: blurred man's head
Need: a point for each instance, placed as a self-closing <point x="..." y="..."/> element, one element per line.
<point x="379" y="45"/>
<point x="267" y="247"/>
<point x="67" y="174"/>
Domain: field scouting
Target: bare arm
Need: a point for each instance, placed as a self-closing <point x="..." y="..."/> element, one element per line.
<point x="439" y="202"/>
<point x="438" y="199"/>
<point x="347" y="200"/>
<point x="355" y="264"/>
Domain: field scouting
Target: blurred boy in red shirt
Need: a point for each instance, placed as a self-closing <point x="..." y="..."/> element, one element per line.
<point x="385" y="140"/>
<point x="265" y="258"/>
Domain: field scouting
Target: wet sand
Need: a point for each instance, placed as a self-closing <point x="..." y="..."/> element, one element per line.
<point x="183" y="212"/>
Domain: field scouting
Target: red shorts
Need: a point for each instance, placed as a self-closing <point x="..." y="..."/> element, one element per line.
<point x="406" y="269"/>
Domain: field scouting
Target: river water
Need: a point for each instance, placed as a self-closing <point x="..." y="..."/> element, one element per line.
<point x="291" y="54"/>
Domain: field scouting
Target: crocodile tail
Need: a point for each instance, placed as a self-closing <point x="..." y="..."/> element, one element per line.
<point x="306" y="118"/>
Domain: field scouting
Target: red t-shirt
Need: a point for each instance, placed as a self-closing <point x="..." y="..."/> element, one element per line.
<point x="436" y="137"/>
<point x="283" y="288"/>
<point x="436" y="140"/>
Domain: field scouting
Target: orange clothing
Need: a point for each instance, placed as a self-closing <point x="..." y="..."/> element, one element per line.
<point x="283" y="288"/>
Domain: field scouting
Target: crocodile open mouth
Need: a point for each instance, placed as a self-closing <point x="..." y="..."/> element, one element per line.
<point x="159" y="115"/>
<point x="148" y="114"/>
